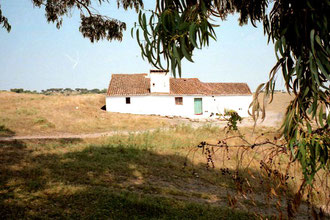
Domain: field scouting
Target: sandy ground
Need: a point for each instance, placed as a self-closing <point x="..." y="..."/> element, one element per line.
<point x="272" y="119"/>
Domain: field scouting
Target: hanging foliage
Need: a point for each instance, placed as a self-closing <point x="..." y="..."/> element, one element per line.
<point x="300" y="32"/>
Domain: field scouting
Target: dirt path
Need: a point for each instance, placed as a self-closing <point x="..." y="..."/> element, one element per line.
<point x="74" y="136"/>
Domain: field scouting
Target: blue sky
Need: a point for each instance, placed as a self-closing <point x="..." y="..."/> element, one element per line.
<point x="35" y="55"/>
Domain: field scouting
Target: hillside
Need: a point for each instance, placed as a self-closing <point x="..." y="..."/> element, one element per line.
<point x="26" y="114"/>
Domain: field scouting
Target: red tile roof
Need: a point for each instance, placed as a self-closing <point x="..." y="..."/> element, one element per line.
<point x="138" y="84"/>
<point x="129" y="84"/>
<point x="229" y="88"/>
<point x="189" y="86"/>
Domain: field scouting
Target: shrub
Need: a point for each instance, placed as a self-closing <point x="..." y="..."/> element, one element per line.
<point x="233" y="119"/>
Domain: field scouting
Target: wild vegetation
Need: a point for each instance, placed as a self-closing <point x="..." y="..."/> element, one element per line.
<point x="37" y="114"/>
<point x="150" y="175"/>
<point x="277" y="165"/>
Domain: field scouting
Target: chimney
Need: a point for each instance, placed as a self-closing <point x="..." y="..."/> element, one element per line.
<point x="159" y="81"/>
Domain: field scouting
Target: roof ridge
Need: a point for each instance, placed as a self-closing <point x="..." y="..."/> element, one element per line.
<point x="132" y="74"/>
<point x="185" y="78"/>
<point x="225" y="82"/>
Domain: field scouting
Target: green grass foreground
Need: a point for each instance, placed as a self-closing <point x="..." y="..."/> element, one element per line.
<point x="121" y="177"/>
<point x="101" y="203"/>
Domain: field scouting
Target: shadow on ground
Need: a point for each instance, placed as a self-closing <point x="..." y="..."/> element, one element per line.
<point x="65" y="180"/>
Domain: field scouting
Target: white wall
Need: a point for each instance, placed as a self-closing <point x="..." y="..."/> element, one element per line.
<point x="159" y="82"/>
<point x="165" y="105"/>
<point x="238" y="103"/>
<point x="158" y="105"/>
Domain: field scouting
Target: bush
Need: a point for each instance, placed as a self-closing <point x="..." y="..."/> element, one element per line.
<point x="233" y="119"/>
<point x="17" y="90"/>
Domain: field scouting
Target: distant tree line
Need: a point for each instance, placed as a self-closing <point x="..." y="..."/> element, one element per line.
<point x="64" y="91"/>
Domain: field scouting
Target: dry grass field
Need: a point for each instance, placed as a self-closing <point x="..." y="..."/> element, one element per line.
<point x="279" y="103"/>
<point x="275" y="110"/>
<point x="27" y="114"/>
<point x="34" y="114"/>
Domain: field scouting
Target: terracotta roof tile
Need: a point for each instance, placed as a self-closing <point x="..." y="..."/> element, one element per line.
<point x="129" y="84"/>
<point x="138" y="84"/>
<point x="187" y="86"/>
<point x="229" y="88"/>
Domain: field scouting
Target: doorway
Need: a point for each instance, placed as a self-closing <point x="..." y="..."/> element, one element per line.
<point x="198" y="106"/>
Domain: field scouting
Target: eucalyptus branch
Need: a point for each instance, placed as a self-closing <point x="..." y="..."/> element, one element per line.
<point x="85" y="6"/>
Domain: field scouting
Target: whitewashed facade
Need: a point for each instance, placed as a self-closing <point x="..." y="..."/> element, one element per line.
<point x="165" y="96"/>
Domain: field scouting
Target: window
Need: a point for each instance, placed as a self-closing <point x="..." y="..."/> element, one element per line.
<point x="178" y="100"/>
<point x="128" y="100"/>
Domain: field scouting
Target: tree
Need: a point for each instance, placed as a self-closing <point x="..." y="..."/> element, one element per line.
<point x="300" y="32"/>
<point x="299" y="29"/>
<point x="93" y="25"/>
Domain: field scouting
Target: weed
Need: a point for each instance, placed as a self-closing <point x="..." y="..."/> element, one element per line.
<point x="5" y="132"/>
<point x="40" y="121"/>
<point x="26" y="111"/>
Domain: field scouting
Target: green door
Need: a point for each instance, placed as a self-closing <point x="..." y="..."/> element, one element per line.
<point x="198" y="106"/>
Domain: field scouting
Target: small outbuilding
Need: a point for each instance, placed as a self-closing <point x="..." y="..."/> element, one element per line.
<point x="157" y="93"/>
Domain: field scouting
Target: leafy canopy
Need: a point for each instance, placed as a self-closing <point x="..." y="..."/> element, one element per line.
<point x="93" y="25"/>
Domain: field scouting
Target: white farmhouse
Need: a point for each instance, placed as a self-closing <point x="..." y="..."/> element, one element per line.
<point x="157" y="93"/>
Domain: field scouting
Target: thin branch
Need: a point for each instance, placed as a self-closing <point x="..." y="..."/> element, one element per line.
<point x="85" y="6"/>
